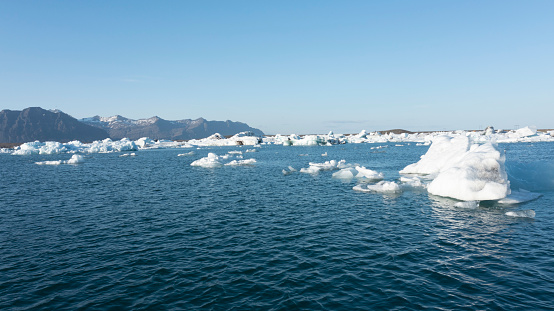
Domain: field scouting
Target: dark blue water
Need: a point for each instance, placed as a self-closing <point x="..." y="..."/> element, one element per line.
<point x="152" y="232"/>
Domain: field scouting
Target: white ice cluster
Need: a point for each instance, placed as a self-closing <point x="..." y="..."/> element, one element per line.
<point x="358" y="172"/>
<point x="50" y="147"/>
<point x="213" y="160"/>
<point x="75" y="159"/>
<point x="332" y="165"/>
<point x="525" y="134"/>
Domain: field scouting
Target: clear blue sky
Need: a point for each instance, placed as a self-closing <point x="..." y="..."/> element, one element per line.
<point x="285" y="66"/>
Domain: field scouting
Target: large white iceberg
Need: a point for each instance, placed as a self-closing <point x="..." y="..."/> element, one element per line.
<point x="463" y="171"/>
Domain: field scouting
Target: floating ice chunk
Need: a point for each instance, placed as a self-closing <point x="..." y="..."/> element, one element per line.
<point x="185" y="154"/>
<point x="524" y="213"/>
<point x="251" y="150"/>
<point x="241" y="162"/>
<point x="235" y="152"/>
<point x="324" y="154"/>
<point x="463" y="171"/>
<point x="326" y="166"/>
<point x="290" y="171"/>
<point x="444" y="152"/>
<point x="467" y="204"/>
<point x="36" y="147"/>
<point x="50" y="162"/>
<point x="363" y="172"/>
<point x="144" y="142"/>
<point x="211" y="161"/>
<point x="75" y="159"/>
<point x="129" y="155"/>
<point x="346" y="173"/>
<point x="521" y="196"/>
<point x="478" y="175"/>
<point x="381" y="187"/>
<point x="526" y="131"/>
<point x="412" y="182"/>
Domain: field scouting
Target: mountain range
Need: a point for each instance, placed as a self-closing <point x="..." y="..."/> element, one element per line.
<point x="35" y="123"/>
<point x="158" y="128"/>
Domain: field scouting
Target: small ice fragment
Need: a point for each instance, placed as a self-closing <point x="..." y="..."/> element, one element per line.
<point x="520" y="196"/>
<point x="251" y="150"/>
<point x="529" y="213"/>
<point x="76" y="159"/>
<point x="186" y="154"/>
<point x="363" y="172"/>
<point x="345" y="173"/>
<point x="467" y="204"/>
<point x="241" y="162"/>
<point x="49" y="162"/>
<point x="414" y="182"/>
<point x="324" y="154"/>
<point x="382" y="187"/>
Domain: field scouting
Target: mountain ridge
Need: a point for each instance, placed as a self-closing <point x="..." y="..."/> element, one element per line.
<point x="35" y="123"/>
<point x="157" y="128"/>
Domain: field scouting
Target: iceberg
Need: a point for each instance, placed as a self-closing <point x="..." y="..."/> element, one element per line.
<point x="463" y="171"/>
<point x="346" y="173"/>
<point x="368" y="174"/>
<point x="75" y="159"/>
<point x="211" y="161"/>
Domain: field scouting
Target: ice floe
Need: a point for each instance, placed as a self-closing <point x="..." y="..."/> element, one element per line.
<point x="290" y="171"/>
<point x="241" y="162"/>
<point x="75" y="159"/>
<point x="521" y="196"/>
<point x="332" y="165"/>
<point x="211" y="161"/>
<point x="523" y="214"/>
<point x="467" y="204"/>
<point x="380" y="187"/>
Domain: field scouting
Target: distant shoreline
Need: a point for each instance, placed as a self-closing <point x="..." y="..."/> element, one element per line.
<point x="394" y="131"/>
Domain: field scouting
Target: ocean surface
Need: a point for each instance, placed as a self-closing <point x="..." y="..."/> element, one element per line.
<point x="152" y="232"/>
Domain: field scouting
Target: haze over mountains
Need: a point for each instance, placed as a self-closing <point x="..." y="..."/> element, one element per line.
<point x="36" y="123"/>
